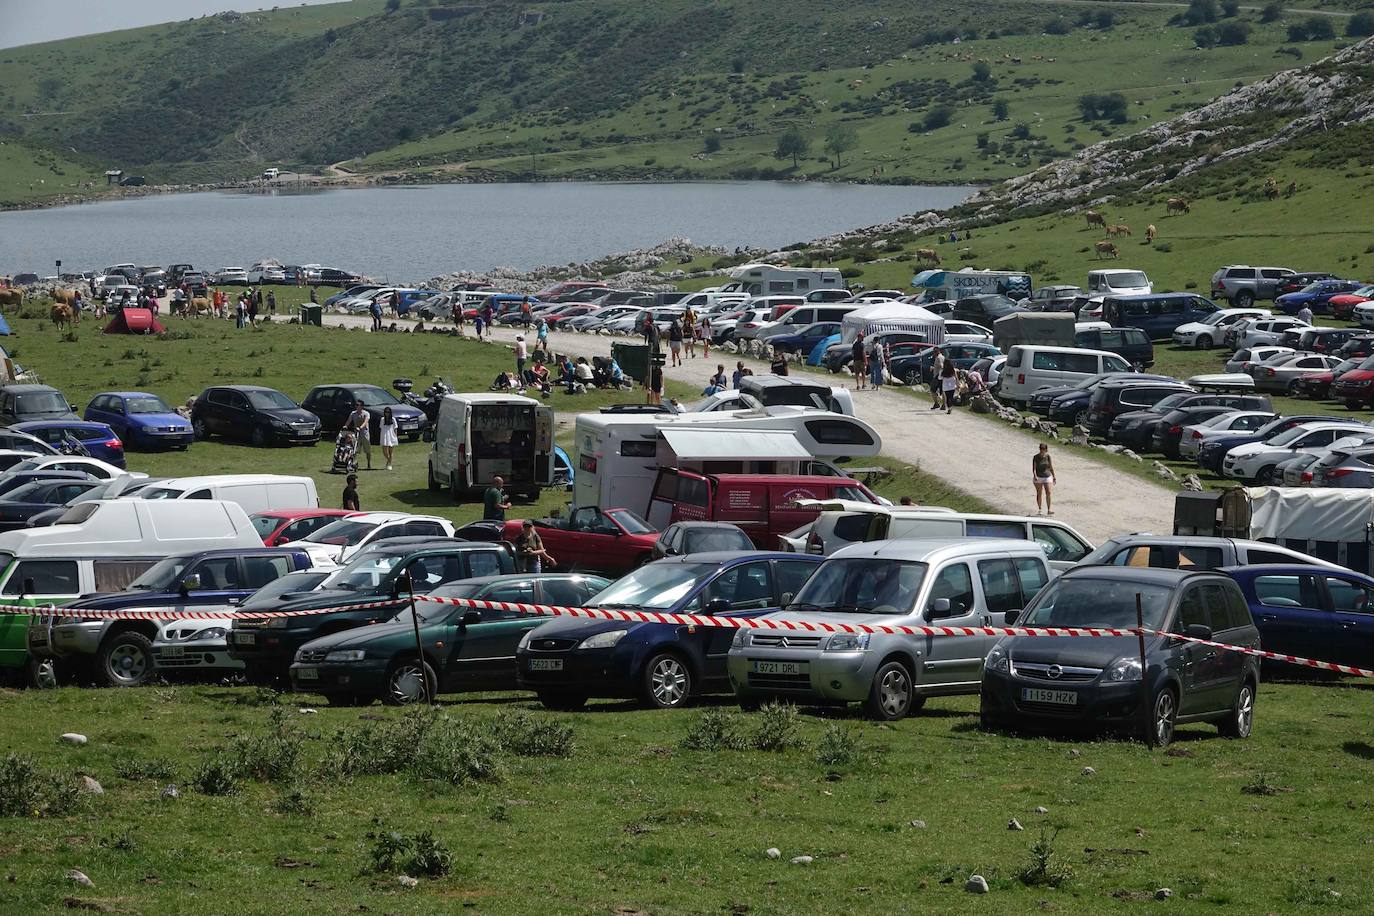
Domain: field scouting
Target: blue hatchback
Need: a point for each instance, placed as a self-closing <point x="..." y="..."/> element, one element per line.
<point x="143" y="420"/>
<point x="663" y="665"/>
<point x="1316" y="296"/>
<point x="97" y="438"/>
<point x="1323" y="614"/>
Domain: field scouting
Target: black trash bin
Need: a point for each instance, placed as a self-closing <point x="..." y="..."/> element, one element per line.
<point x="311" y="313"/>
<point x="633" y="359"/>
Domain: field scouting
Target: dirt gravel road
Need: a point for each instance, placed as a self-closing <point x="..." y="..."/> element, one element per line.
<point x="975" y="454"/>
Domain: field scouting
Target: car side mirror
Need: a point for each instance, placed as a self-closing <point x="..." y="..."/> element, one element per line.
<point x="1198" y="631"/>
<point x="29" y="588"/>
<point x="191" y="583"/>
<point x="787" y="598"/>
<point x="399" y="584"/>
<point x="471" y="616"/>
<point x="940" y="607"/>
<point x="718" y="605"/>
<point x="1012" y="617"/>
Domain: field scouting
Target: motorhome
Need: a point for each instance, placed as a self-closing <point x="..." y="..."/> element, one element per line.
<point x="619" y="456"/>
<point x="767" y="279"/>
<point x="478" y="437"/>
<point x="961" y="284"/>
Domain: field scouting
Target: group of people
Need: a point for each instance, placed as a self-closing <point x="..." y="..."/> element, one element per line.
<point x="532" y="371"/>
<point x="685" y="333"/>
<point x="356" y="435"/>
<point x="871" y="365"/>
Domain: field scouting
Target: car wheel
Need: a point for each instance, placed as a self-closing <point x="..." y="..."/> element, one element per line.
<point x="561" y="702"/>
<point x="1081" y="418"/>
<point x="259" y="436"/>
<point x="200" y="430"/>
<point x="42" y="673"/>
<point x="1242" y="718"/>
<point x="434" y="485"/>
<point x="1244" y="299"/>
<point x="892" y="694"/>
<point x="126" y="659"/>
<point x="1267" y="477"/>
<point x="1294" y="389"/>
<point x="667" y="682"/>
<point x="403" y="684"/>
<point x="1163" y="715"/>
<point x="1203" y="342"/>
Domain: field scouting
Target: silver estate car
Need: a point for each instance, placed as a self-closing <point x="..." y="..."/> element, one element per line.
<point x="942" y="582"/>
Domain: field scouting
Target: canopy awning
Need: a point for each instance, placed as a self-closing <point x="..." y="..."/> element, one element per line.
<point x="735" y="445"/>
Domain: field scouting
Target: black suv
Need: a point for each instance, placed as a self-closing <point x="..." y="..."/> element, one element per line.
<point x="19" y="403"/>
<point x="262" y="416"/>
<point x="1115" y="397"/>
<point x="1096" y="682"/>
<point x="985" y="310"/>
<point x="268" y="646"/>
<point x="1137" y="428"/>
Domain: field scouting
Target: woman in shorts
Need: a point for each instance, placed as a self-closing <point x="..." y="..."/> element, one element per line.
<point x="1042" y="474"/>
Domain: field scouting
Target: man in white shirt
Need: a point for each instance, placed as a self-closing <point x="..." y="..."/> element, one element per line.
<point x="361" y="420"/>
<point x="521" y="354"/>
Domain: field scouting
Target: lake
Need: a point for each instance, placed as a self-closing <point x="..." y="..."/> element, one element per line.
<point x="410" y="234"/>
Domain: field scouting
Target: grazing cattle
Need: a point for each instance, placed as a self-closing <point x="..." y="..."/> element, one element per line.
<point x="200" y="305"/>
<point x="65" y="296"/>
<point x="928" y="254"/>
<point x="1291" y="189"/>
<point x="1150" y="233"/>
<point x="1271" y="188"/>
<point x="1120" y="229"/>
<point x="1095" y="219"/>
<point x="1106" y="248"/>
<point x="1178" y="205"/>
<point x="11" y="297"/>
<point x="62" y="314"/>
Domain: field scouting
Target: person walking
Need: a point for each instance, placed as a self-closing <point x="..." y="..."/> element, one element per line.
<point x="937" y="368"/>
<point x="704" y="332"/>
<point x="252" y="305"/>
<point x="738" y="375"/>
<point x="522" y="353"/>
<point x="675" y="341"/>
<point x="949" y="384"/>
<point x="361" y="420"/>
<point x="272" y="303"/>
<point x="375" y="310"/>
<point x="494" y="502"/>
<point x="529" y="550"/>
<point x="858" y="364"/>
<point x="1042" y="475"/>
<point x="1305" y="315"/>
<point x="258" y="301"/>
<point x="877" y="365"/>
<point x="655" y="384"/>
<point x="388" y="438"/>
<point x="689" y="331"/>
<point x="395" y="303"/>
<point x="240" y="312"/>
<point x="350" y="494"/>
<point x="488" y="317"/>
<point x="541" y="336"/>
<point x="525" y="313"/>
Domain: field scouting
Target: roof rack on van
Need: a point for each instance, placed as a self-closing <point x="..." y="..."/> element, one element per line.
<point x="1225" y="381"/>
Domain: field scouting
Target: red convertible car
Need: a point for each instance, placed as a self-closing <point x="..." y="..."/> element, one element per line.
<point x="609" y="541"/>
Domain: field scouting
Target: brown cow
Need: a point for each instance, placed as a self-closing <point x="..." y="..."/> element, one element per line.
<point x="928" y="254"/>
<point x="1150" y="233"/>
<point x="1178" y="205"/>
<point x="1119" y="229"/>
<point x="62" y="314"/>
<point x="11" y="297"/>
<point x="1105" y="248"/>
<point x="65" y="296"/>
<point x="200" y="305"/>
<point x="1095" y="219"/>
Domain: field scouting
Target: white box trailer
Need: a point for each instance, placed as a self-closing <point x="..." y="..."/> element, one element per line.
<point x="768" y="279"/>
<point x="1332" y="524"/>
<point x="619" y="456"/>
<point x="478" y="437"/>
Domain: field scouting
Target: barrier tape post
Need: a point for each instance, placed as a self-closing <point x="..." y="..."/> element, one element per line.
<point x="1146" y="712"/>
<point x="419" y="647"/>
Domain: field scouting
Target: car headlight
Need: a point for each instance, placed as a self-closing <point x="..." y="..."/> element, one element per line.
<point x="602" y="640"/>
<point x="346" y="655"/>
<point x="525" y="640"/>
<point x="277" y="623"/>
<point x="212" y="633"/>
<point x="999" y="659"/>
<point x="741" y="639"/>
<point x="847" y="642"/>
<point x="1124" y="669"/>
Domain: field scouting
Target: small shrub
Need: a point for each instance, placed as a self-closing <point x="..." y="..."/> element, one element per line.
<point x="850" y="273"/>
<point x="27" y="791"/>
<point x="378" y="750"/>
<point x="271" y="757"/>
<point x="1043" y="869"/>
<point x="418" y="855"/>
<point x="217" y="775"/>
<point x="716" y="730"/>
<point x="456" y="753"/>
<point x="159" y="769"/>
<point x="1191" y="284"/>
<point x="776" y="728"/>
<point x="295" y="800"/>
<point x="120" y="842"/>
<point x="525" y="735"/>
<point x="838" y="747"/>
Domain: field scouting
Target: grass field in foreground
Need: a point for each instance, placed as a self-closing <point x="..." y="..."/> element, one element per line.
<point x="634" y="822"/>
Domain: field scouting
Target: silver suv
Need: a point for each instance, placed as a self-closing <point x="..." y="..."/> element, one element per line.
<point x="961" y="582"/>
<point x="1241" y="284"/>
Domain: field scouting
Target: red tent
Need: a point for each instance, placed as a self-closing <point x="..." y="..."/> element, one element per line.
<point x="133" y="320"/>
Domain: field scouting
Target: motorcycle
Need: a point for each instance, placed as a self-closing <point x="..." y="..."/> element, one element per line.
<point x="429" y="402"/>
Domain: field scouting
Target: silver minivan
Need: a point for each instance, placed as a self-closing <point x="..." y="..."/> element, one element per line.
<point x="962" y="582"/>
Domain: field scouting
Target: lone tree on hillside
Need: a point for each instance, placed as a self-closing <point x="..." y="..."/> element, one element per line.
<point x="1110" y="106"/>
<point x="1361" y="25"/>
<point x="982" y="71"/>
<point x="839" y="139"/>
<point x="1000" y="110"/>
<point x="792" y="143"/>
<point x="393" y="5"/>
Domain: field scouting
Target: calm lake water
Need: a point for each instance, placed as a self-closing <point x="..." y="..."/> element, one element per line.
<point x="414" y="233"/>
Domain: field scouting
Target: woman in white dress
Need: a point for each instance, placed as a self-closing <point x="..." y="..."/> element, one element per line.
<point x="388" y="436"/>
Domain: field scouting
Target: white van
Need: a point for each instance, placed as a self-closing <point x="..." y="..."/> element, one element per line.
<point x="842" y="524"/>
<point x="1031" y="367"/>
<point x="478" y="437"/>
<point x="801" y="317"/>
<point x="254" y="492"/>
<point x="1118" y="282"/>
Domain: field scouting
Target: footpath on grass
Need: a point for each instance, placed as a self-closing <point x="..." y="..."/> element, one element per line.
<point x="982" y="458"/>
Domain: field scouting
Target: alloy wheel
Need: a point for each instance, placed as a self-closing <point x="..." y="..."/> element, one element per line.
<point x="128" y="663"/>
<point x="668" y="680"/>
<point x="1164" y="718"/>
<point x="894" y="691"/>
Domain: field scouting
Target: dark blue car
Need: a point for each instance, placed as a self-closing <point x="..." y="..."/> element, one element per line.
<point x="663" y="665"/>
<point x="143" y="420"/>
<point x="805" y="340"/>
<point x="96" y="438"/>
<point x="1324" y="614"/>
<point x="1213" y="451"/>
<point x="1316" y="296"/>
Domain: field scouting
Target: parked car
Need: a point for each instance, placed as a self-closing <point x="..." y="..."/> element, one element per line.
<point x="1053" y="298"/>
<point x="1157" y="314"/>
<point x="663" y="665"/>
<point x="15" y="441"/>
<point x="930" y="582"/>
<point x="1356" y="387"/>
<point x="13" y="480"/>
<point x="1346" y="468"/>
<point x="684" y="538"/>
<point x="1233" y="421"/>
<point x="1359" y="346"/>
<point x="19" y="505"/>
<point x="1213" y="450"/>
<point x="1211" y="331"/>
<point x="1316" y="296"/>
<point x="334" y="403"/>
<point x="910" y="363"/>
<point x="986" y="309"/>
<point x="93" y="466"/>
<point x="1319" y="614"/>
<point x="344" y="538"/>
<point x="611" y="541"/>
<point x="1343" y="304"/>
<point x="231" y="276"/>
<point x="99" y="440"/>
<point x="1254" y="332"/>
<point x="804" y="340"/>
<point x="1296" y="471"/>
<point x="1065" y="682"/>
<point x="1136" y="428"/>
<point x="24" y="403"/>
<point x="1131" y="344"/>
<point x="1317" y="385"/>
<point x="262" y="416"/>
<point x="466" y="649"/>
<point x="1242" y="285"/>
<point x="281" y="526"/>
<point x="1169" y="431"/>
<point x="141" y="420"/>
<point x="1327" y="341"/>
<point x="1298" y="281"/>
<point x="1243" y="359"/>
<point x="1281" y="375"/>
<point x="268" y="646"/>
<point x="1256" y="461"/>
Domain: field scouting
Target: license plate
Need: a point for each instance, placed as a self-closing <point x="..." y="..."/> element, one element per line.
<point x="778" y="667"/>
<point x="307" y="674"/>
<point x="1040" y="695"/>
<point x="245" y="639"/>
<point x="173" y="652"/>
<point x="546" y="664"/>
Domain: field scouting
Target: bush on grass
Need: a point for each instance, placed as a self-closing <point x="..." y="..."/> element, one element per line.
<point x="28" y="791"/>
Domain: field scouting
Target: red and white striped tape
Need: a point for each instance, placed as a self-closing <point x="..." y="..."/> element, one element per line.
<point x="1273" y="656"/>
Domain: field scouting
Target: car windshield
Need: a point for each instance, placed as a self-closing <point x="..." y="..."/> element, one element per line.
<point x="40" y="402"/>
<point x="147" y="404"/>
<point x="632" y="523"/>
<point x="1097" y="602"/>
<point x="269" y="400"/>
<point x="1314" y="287"/>
<point x="1127" y="279"/>
<point x="367" y="572"/>
<point x="27" y="492"/>
<point x="863" y="585"/>
<point x="160" y="493"/>
<point x="373" y="397"/>
<point x="657" y="586"/>
<point x="272" y="592"/>
<point x="1288" y="435"/>
<point x="1172" y="401"/>
<point x="346" y="532"/>
<point x="163" y="576"/>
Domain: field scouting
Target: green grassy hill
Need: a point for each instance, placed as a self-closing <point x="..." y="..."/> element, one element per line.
<point x="935" y="90"/>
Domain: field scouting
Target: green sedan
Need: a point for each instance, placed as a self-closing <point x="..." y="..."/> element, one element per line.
<point x="464" y="649"/>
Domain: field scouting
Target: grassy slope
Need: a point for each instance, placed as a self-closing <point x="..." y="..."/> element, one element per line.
<point x="607" y="87"/>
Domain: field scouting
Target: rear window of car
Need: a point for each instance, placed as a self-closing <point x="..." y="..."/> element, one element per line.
<point x="853" y="527"/>
<point x="1241" y="273"/>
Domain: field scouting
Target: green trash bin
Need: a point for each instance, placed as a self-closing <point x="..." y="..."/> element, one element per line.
<point x="312" y="313"/>
<point x="633" y="359"/>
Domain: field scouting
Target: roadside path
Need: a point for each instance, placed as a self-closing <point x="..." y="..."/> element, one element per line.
<point x="970" y="452"/>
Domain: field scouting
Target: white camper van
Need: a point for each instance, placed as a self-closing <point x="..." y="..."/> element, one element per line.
<point x="481" y="436"/>
<point x="766" y="279"/>
<point x="254" y="492"/>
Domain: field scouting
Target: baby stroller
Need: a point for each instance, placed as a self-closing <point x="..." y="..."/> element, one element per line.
<point x="345" y="453"/>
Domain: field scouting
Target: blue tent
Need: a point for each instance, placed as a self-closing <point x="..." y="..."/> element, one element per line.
<point x="563" y="470"/>
<point x="4" y="327"/>
<point x="818" y="351"/>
